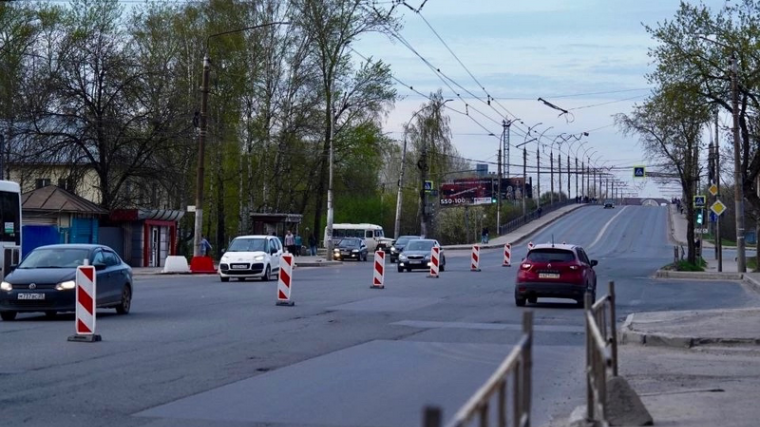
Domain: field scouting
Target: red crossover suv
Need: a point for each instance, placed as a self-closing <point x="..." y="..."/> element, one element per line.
<point x="555" y="271"/>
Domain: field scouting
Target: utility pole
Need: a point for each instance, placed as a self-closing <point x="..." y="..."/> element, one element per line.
<point x="551" y="176"/>
<point x="588" y="178"/>
<point x="397" y="222"/>
<point x="423" y="195"/>
<point x="583" y="187"/>
<point x="330" y="201"/>
<point x="559" y="175"/>
<point x="506" y="126"/>
<point x="718" y="241"/>
<point x="498" y="196"/>
<point x="738" y="187"/>
<point x="538" y="173"/>
<point x="203" y="125"/>
<point x="576" y="179"/>
<point x="525" y="179"/>
<point x="568" y="173"/>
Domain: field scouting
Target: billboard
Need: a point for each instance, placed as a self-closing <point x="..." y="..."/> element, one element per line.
<point x="481" y="191"/>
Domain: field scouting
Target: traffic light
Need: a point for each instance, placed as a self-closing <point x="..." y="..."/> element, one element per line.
<point x="493" y="199"/>
<point x="699" y="217"/>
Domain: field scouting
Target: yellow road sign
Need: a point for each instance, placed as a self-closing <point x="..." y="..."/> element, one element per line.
<point x="718" y="207"/>
<point x="713" y="189"/>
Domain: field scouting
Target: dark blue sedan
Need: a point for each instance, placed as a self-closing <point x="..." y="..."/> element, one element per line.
<point x="44" y="280"/>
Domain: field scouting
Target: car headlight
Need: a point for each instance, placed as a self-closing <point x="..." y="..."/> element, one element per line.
<point x="63" y="286"/>
<point x="402" y="257"/>
<point x="336" y="250"/>
<point x="258" y="258"/>
<point x="355" y="251"/>
<point x="393" y="249"/>
<point x="5" y="286"/>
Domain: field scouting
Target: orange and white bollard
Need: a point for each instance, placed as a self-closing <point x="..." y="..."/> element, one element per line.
<point x="507" y="255"/>
<point x="475" y="258"/>
<point x="434" y="261"/>
<point x="285" y="281"/>
<point x="378" y="276"/>
<point x="86" y="296"/>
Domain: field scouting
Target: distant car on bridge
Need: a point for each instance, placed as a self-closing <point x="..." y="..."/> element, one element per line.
<point x="609" y="203"/>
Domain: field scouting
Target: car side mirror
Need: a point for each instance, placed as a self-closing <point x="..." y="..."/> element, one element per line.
<point x="273" y="251"/>
<point x="594" y="263"/>
<point x="224" y="250"/>
<point x="99" y="266"/>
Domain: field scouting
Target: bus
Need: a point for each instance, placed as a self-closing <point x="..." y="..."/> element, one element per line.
<point x="373" y="235"/>
<point x="10" y="221"/>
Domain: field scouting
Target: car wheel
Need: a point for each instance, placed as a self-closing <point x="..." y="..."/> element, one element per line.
<point x="520" y="302"/>
<point x="400" y="270"/>
<point x="51" y="314"/>
<point x="126" y="300"/>
<point x="267" y="274"/>
<point x="7" y="315"/>
<point x="393" y="261"/>
<point x="409" y="269"/>
<point x="224" y="279"/>
<point x="533" y="300"/>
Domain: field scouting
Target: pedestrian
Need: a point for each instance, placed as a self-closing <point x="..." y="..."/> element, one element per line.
<point x="299" y="243"/>
<point x="312" y="245"/>
<point x="290" y="242"/>
<point x="540" y="209"/>
<point x="484" y="235"/>
<point x="205" y="247"/>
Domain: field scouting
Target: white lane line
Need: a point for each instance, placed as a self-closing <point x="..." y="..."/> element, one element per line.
<point x="601" y="232"/>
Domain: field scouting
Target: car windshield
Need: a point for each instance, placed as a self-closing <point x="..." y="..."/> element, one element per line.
<point x="349" y="243"/>
<point x="55" y="258"/>
<point x="608" y="201"/>
<point x="551" y="255"/>
<point x="247" y="245"/>
<point x="419" y="245"/>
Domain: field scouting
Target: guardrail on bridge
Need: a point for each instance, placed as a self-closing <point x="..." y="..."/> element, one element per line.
<point x="517" y="365"/>
<point x="601" y="353"/>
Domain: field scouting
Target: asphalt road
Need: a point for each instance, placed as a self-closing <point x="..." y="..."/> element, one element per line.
<point x="197" y="352"/>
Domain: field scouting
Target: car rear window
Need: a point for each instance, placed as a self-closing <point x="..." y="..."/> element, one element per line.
<point x="551" y="255"/>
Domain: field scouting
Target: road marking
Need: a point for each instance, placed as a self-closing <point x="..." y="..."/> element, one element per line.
<point x="601" y="232"/>
<point x="486" y="326"/>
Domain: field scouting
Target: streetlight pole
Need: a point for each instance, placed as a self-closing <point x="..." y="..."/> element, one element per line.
<point x="741" y="262"/>
<point x="202" y="131"/>
<point x="397" y="222"/>
<point x="538" y="165"/>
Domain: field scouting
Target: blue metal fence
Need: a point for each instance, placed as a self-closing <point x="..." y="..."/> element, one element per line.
<point x="522" y="220"/>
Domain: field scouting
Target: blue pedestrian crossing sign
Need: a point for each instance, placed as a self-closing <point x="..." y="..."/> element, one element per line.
<point x="700" y="201"/>
<point x="639" y="172"/>
<point x="428" y="186"/>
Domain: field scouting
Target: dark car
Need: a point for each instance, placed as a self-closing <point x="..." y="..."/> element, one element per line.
<point x="44" y="280"/>
<point x="416" y="255"/>
<point x="352" y="248"/>
<point x="555" y="271"/>
<point x="398" y="245"/>
<point x="609" y="203"/>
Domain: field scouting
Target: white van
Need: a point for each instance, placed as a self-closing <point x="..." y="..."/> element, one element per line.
<point x="373" y="235"/>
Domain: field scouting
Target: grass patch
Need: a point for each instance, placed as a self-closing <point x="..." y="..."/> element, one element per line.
<point x="684" y="265"/>
<point x="752" y="263"/>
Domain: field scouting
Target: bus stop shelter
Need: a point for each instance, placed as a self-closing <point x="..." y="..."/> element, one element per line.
<point x="277" y="223"/>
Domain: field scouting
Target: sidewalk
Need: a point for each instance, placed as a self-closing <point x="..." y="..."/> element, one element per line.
<point x="523" y="232"/>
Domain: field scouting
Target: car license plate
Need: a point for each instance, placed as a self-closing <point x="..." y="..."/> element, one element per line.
<point x="239" y="267"/>
<point x="29" y="296"/>
<point x="548" y="276"/>
<point x="415" y="261"/>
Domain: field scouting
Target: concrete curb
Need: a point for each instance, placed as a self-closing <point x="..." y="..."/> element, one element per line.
<point x="698" y="275"/>
<point x="754" y="284"/>
<point x="318" y="264"/>
<point x="657" y="339"/>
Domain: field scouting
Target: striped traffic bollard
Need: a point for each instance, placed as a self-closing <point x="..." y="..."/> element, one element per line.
<point x="434" y="262"/>
<point x="285" y="281"/>
<point x="86" y="297"/>
<point x="507" y="255"/>
<point x="378" y="275"/>
<point x="475" y="259"/>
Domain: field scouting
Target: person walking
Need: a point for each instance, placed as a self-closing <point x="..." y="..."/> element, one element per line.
<point x="205" y="247"/>
<point x="484" y="235"/>
<point x="312" y="245"/>
<point x="290" y="242"/>
<point x="299" y="243"/>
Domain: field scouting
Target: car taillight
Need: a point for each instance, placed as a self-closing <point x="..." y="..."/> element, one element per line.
<point x="574" y="267"/>
<point x="526" y="266"/>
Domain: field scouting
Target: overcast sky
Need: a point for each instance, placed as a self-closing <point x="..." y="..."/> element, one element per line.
<point x="586" y="56"/>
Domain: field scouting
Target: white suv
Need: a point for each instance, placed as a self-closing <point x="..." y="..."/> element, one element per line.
<point x="251" y="257"/>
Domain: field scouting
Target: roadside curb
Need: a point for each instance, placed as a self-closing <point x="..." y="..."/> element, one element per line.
<point x="630" y="336"/>
<point x="522" y="237"/>
<point x="318" y="264"/>
<point x="698" y="275"/>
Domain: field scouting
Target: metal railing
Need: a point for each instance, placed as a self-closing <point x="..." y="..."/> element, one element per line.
<point x="601" y="353"/>
<point x="524" y="219"/>
<point x="517" y="365"/>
